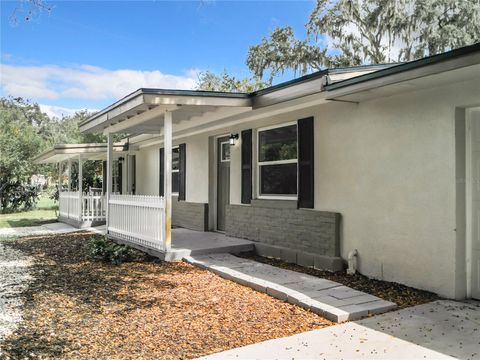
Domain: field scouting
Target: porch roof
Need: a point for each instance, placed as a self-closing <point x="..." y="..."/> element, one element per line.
<point x="143" y="110"/>
<point x="93" y="151"/>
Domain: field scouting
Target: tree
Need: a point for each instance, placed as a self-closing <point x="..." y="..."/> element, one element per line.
<point x="209" y="81"/>
<point x="28" y="9"/>
<point x="24" y="133"/>
<point x="354" y="32"/>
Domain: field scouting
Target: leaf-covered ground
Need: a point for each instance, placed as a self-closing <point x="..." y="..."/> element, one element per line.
<point x="82" y="308"/>
<point x="402" y="295"/>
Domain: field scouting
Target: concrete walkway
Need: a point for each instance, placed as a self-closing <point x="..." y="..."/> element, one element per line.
<point x="46" y="229"/>
<point x="438" y="330"/>
<point x="329" y="299"/>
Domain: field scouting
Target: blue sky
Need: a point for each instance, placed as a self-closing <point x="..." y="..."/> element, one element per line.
<point x="88" y="54"/>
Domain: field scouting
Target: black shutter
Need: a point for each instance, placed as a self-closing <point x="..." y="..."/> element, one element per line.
<point x="120" y="176"/>
<point x="305" y="163"/>
<point x="104" y="177"/>
<point x="182" y="166"/>
<point x="246" y="166"/>
<point x="162" y="171"/>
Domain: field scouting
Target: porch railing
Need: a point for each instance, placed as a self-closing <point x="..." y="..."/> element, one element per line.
<point x="93" y="206"/>
<point x="69" y="204"/>
<point x="138" y="219"/>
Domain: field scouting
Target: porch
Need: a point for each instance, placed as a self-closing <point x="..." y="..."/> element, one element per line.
<point x="84" y="209"/>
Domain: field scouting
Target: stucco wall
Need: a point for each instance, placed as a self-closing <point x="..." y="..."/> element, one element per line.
<point x="387" y="166"/>
<point x="196" y="174"/>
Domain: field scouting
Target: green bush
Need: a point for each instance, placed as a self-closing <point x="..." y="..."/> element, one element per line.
<point x="106" y="250"/>
<point x="16" y="196"/>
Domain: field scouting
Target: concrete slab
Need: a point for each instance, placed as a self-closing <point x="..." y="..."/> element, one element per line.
<point x="438" y="330"/>
<point x="46" y="229"/>
<point x="324" y="297"/>
<point x="190" y="242"/>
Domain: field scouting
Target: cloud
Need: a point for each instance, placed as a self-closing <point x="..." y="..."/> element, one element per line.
<point x="59" y="112"/>
<point x="85" y="81"/>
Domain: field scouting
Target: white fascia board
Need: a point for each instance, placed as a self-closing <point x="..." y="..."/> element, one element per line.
<point x="153" y="99"/>
<point x="415" y="73"/>
<point x="289" y="93"/>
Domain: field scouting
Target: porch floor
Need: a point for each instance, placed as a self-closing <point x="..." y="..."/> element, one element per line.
<point x="189" y="242"/>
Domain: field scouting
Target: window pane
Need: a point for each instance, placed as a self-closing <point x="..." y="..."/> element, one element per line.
<point x="175" y="182"/>
<point x="225" y="151"/>
<point x="175" y="159"/>
<point x="278" y="179"/>
<point x="278" y="144"/>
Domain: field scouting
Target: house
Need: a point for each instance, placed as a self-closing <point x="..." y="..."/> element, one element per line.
<point x="384" y="160"/>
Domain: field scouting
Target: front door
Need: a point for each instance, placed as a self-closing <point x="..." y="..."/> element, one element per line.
<point x="475" y="201"/>
<point x="223" y="180"/>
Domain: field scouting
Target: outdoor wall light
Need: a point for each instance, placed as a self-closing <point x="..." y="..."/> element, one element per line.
<point x="121" y="159"/>
<point x="233" y="138"/>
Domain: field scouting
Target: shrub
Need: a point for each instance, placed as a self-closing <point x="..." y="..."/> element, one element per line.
<point x="106" y="250"/>
<point x="17" y="196"/>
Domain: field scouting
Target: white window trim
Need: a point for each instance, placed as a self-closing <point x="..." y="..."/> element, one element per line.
<point x="177" y="170"/>
<point x="221" y="151"/>
<point x="260" y="163"/>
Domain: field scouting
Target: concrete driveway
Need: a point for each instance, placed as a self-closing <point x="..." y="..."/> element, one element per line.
<point x="438" y="330"/>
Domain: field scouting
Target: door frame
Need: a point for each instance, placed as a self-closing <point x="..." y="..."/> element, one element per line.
<point x="213" y="198"/>
<point x="469" y="200"/>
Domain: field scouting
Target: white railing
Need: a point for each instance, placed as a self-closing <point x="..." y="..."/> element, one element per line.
<point x="138" y="219"/>
<point x="92" y="206"/>
<point x="69" y="204"/>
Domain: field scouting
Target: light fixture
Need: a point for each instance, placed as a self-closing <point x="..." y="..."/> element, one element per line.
<point x="233" y="138"/>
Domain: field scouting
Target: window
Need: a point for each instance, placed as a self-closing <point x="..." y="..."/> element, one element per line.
<point x="225" y="148"/>
<point x="277" y="161"/>
<point x="175" y="170"/>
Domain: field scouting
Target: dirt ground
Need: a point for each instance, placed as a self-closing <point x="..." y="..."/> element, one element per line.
<point x="78" y="307"/>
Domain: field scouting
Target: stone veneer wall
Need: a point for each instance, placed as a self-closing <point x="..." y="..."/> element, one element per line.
<point x="303" y="236"/>
<point x="189" y="215"/>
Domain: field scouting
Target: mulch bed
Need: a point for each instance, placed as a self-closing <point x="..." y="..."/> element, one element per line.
<point x="82" y="308"/>
<point x="403" y="296"/>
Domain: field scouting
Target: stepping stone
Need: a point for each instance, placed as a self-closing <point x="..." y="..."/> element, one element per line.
<point x="326" y="298"/>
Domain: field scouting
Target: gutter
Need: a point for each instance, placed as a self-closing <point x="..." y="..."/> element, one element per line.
<point x="416" y="64"/>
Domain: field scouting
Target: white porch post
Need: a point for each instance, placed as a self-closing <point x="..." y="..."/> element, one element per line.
<point x="69" y="174"/>
<point x="80" y="187"/>
<point x="59" y="179"/>
<point x="167" y="144"/>
<point x="108" y="188"/>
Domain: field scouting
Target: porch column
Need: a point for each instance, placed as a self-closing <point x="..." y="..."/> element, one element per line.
<point x="80" y="186"/>
<point x="167" y="182"/>
<point x="59" y="179"/>
<point x="108" y="189"/>
<point x="69" y="174"/>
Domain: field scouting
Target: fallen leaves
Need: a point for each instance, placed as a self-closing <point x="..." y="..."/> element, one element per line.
<point x="402" y="295"/>
<point x="81" y="308"/>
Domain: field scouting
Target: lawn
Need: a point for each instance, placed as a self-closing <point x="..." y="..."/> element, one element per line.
<point x="82" y="308"/>
<point x="44" y="212"/>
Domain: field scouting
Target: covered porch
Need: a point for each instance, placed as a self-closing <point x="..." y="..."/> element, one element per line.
<point x="79" y="205"/>
<point x="145" y="221"/>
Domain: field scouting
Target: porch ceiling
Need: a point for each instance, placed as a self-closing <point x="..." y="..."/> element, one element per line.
<point x="62" y="152"/>
<point x="142" y="112"/>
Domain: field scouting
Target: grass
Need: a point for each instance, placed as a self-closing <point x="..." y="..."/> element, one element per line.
<point x="44" y="212"/>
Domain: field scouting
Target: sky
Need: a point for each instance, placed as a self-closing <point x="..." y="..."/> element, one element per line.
<point x="88" y="54"/>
